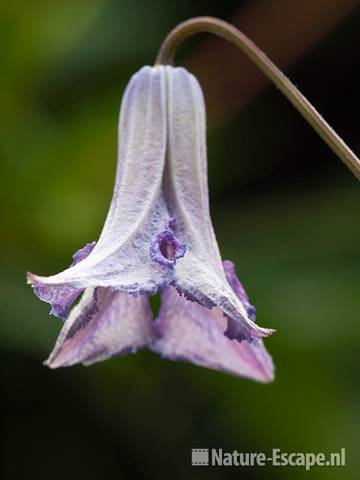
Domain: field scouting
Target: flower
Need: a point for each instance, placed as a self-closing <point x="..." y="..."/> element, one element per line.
<point x="157" y="237"/>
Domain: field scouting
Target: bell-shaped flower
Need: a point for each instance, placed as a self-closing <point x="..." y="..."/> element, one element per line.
<point x="157" y="237"/>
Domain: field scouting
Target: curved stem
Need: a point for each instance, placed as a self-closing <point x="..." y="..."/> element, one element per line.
<point x="235" y="36"/>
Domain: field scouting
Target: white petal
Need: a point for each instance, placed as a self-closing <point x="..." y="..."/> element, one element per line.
<point x="199" y="275"/>
<point x="121" y="256"/>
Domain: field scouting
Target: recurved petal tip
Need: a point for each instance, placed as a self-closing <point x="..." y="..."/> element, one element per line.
<point x="59" y="297"/>
<point x="30" y="278"/>
<point x="236" y="331"/>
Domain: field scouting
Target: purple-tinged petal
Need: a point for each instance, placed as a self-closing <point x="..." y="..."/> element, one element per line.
<point x="232" y="331"/>
<point x="193" y="333"/>
<point x="103" y="324"/>
<point x="166" y="248"/>
<point x="82" y="253"/>
<point x="60" y="299"/>
<point x="237" y="286"/>
<point x="199" y="275"/>
<point x="121" y="259"/>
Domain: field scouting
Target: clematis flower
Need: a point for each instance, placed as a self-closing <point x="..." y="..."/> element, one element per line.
<point x="157" y="237"/>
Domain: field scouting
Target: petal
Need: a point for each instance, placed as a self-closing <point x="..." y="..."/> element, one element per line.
<point x="103" y="324"/>
<point x="199" y="275"/>
<point x="82" y="253"/>
<point x="191" y="332"/>
<point x="236" y="285"/>
<point x="121" y="257"/>
<point x="60" y="299"/>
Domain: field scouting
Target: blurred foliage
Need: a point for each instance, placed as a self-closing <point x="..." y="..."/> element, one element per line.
<point x="285" y="210"/>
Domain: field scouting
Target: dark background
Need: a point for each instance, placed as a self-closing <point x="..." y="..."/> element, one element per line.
<point x="285" y="209"/>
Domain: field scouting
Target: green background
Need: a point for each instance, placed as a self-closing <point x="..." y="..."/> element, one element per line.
<point x="285" y="209"/>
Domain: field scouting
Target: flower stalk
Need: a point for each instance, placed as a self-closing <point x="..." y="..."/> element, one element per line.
<point x="262" y="61"/>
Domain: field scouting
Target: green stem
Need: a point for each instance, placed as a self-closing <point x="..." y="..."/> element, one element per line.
<point x="229" y="32"/>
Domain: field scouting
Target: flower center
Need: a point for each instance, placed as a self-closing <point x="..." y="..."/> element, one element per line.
<point x="168" y="249"/>
<point x="165" y="247"/>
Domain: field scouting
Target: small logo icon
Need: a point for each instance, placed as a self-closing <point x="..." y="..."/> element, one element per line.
<point x="200" y="456"/>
